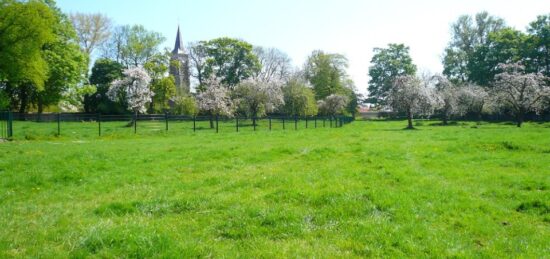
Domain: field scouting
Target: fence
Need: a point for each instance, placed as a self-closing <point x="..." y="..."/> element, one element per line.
<point x="6" y="125"/>
<point x="81" y="124"/>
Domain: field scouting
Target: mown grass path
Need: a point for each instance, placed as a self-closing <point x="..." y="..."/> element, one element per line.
<point x="367" y="189"/>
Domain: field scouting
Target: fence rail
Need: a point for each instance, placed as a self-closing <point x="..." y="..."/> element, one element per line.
<point x="58" y="124"/>
<point x="6" y="125"/>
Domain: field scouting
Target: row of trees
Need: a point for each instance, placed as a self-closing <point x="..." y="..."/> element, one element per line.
<point x="488" y="68"/>
<point x="46" y="57"/>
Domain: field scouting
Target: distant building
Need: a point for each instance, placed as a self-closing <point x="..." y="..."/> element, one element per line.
<point x="179" y="67"/>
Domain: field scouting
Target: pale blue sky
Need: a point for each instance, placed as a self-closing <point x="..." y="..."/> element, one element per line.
<point x="350" y="27"/>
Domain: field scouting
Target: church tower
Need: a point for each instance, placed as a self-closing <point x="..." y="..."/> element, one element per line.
<point x="179" y="67"/>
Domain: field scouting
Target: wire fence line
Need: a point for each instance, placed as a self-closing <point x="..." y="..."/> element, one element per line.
<point x="34" y="125"/>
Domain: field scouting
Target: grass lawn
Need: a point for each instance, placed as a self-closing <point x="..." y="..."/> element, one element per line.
<point x="367" y="189"/>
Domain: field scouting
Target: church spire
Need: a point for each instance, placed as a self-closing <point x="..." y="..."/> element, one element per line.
<point x="179" y="43"/>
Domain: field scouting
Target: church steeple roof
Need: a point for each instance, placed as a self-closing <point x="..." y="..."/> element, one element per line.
<point x="178" y="48"/>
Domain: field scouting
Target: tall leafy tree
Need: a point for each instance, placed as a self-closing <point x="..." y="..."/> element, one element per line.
<point x="299" y="98"/>
<point x="25" y="27"/>
<point x="386" y="65"/>
<point x="503" y="46"/>
<point x="230" y="60"/>
<point x="162" y="85"/>
<point x="326" y="72"/>
<point x="66" y="62"/>
<point x="104" y="72"/>
<point x="133" y="46"/>
<point x="540" y="39"/>
<point x="467" y="34"/>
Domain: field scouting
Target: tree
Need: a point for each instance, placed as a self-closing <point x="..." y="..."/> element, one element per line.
<point x="503" y="46"/>
<point x="132" y="90"/>
<point x="467" y="34"/>
<point x="448" y="94"/>
<point x="25" y="27"/>
<point x="472" y="99"/>
<point x="230" y="60"/>
<point x="386" y="65"/>
<point x="163" y="86"/>
<point x="275" y="65"/>
<point x="104" y="72"/>
<point x="133" y="46"/>
<point x="66" y="62"/>
<point x="197" y="60"/>
<point x="520" y="92"/>
<point x="333" y="105"/>
<point x="93" y="30"/>
<point x="411" y="96"/>
<point x="215" y="99"/>
<point x="540" y="39"/>
<point x="326" y="73"/>
<point x="186" y="105"/>
<point x="256" y="98"/>
<point x="299" y="98"/>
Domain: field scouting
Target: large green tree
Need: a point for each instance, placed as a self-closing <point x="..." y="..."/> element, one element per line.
<point x="326" y="72"/>
<point x="162" y="85"/>
<point x="104" y="72"/>
<point x="386" y="65"/>
<point x="468" y="34"/>
<point x="503" y="46"/>
<point x="25" y="27"/>
<point x="66" y="62"/>
<point x="133" y="46"/>
<point x="540" y="40"/>
<point x="229" y="59"/>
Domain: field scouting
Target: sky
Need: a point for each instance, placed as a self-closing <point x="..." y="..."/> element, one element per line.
<point x="297" y="27"/>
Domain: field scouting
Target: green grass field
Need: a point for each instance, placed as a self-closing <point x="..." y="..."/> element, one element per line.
<point x="366" y="189"/>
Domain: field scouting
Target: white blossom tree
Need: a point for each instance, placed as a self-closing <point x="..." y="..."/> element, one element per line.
<point x="332" y="105"/>
<point x="412" y="96"/>
<point x="215" y="99"/>
<point x="520" y="92"/>
<point x="256" y="97"/>
<point x="132" y="89"/>
<point x="448" y="94"/>
<point x="472" y="99"/>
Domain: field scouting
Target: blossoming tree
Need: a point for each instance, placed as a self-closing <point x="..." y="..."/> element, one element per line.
<point x="257" y="97"/>
<point x="413" y="97"/>
<point x="520" y="92"/>
<point x="132" y="89"/>
<point x="215" y="99"/>
<point x="332" y="105"/>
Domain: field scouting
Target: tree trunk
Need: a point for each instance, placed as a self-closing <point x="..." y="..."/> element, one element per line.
<point x="410" y="120"/>
<point x="211" y="122"/>
<point x="445" y="120"/>
<point x="40" y="108"/>
<point x="23" y="102"/>
<point x="519" y="120"/>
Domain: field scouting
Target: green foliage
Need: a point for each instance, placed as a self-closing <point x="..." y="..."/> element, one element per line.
<point x="104" y="72"/>
<point x="503" y="46"/>
<point x="4" y="100"/>
<point x="185" y="105"/>
<point x="163" y="86"/>
<point x="326" y="73"/>
<point x="540" y="40"/>
<point x="386" y="65"/>
<point x="468" y="34"/>
<point x="299" y="99"/>
<point x="368" y="189"/>
<point x="229" y="59"/>
<point x="134" y="45"/>
<point x="164" y="89"/>
<point x="25" y="27"/>
<point x="67" y="63"/>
